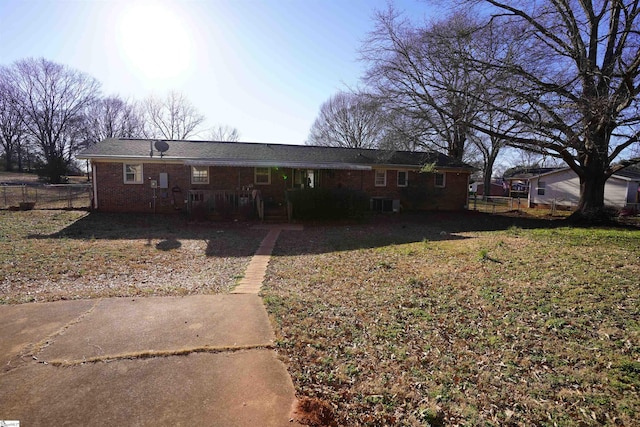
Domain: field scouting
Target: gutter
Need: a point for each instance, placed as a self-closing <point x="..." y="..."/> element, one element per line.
<point x="95" y="186"/>
<point x="271" y="163"/>
<point x="264" y="163"/>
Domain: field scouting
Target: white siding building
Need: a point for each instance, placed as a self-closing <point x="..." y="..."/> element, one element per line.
<point x="562" y="188"/>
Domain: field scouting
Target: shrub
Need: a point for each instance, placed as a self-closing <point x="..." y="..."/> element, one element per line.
<point x="328" y="204"/>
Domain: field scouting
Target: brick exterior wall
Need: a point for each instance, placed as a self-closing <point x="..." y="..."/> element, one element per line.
<point x="113" y="195"/>
<point x="420" y="193"/>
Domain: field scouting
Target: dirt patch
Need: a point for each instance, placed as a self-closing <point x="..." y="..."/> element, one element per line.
<point x="313" y="412"/>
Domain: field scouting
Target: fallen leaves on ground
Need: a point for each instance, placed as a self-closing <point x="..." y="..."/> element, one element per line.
<point x="452" y="322"/>
<point x="53" y="255"/>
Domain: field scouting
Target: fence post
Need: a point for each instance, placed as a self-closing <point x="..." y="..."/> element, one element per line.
<point x="69" y="201"/>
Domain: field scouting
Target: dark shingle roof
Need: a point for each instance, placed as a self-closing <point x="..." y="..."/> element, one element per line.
<point x="258" y="154"/>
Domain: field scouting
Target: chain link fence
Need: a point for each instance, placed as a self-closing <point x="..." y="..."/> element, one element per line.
<point x="41" y="196"/>
<point x="496" y="204"/>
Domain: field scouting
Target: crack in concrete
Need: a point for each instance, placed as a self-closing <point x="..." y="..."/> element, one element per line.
<point x="32" y="350"/>
<point x="152" y="354"/>
<point x="38" y="347"/>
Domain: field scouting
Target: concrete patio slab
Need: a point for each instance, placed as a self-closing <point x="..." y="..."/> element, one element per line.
<point x="180" y="361"/>
<point x="121" y="326"/>
<point x="25" y="325"/>
<point x="245" y="388"/>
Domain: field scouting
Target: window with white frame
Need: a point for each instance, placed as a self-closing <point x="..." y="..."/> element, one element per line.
<point x="403" y="178"/>
<point x="541" y="187"/>
<point x="132" y="173"/>
<point x="439" y="179"/>
<point x="381" y="178"/>
<point x="262" y="176"/>
<point x="199" y="174"/>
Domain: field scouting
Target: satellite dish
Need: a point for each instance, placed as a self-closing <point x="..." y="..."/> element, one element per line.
<point x="161" y="146"/>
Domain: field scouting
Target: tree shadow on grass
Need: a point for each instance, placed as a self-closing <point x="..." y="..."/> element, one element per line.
<point x="385" y="230"/>
<point x="231" y="239"/>
<point x="164" y="232"/>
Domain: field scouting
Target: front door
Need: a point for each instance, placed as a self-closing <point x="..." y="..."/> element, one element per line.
<point x="305" y="178"/>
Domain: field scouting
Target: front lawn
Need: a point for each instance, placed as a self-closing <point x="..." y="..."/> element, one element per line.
<point x="461" y="320"/>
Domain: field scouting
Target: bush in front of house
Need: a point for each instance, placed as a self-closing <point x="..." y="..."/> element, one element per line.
<point x="328" y="204"/>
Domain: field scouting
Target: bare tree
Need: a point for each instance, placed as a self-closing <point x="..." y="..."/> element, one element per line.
<point x="577" y="67"/>
<point x="12" y="130"/>
<point x="422" y="74"/>
<point x="52" y="100"/>
<point x="172" y="118"/>
<point x="112" y="117"/>
<point x="348" y="120"/>
<point x="225" y="133"/>
<point x="491" y="144"/>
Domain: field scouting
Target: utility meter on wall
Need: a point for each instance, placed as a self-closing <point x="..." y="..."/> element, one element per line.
<point x="154" y="183"/>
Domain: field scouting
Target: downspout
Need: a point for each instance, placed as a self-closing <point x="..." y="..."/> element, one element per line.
<point x="468" y="183"/>
<point x="95" y="185"/>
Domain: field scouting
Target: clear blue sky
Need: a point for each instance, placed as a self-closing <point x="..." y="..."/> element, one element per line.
<point x="262" y="66"/>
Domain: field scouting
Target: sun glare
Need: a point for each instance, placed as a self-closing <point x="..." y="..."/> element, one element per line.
<point x="154" y="41"/>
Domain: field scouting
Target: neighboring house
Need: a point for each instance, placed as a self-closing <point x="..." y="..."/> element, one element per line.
<point x="497" y="189"/>
<point x="517" y="179"/>
<point x="132" y="175"/>
<point x="562" y="188"/>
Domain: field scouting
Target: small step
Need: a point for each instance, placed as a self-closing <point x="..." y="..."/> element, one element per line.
<point x="276" y="215"/>
<point x="276" y="219"/>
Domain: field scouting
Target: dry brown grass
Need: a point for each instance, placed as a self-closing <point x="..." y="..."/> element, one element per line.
<point x="462" y="320"/>
<point x="53" y="255"/>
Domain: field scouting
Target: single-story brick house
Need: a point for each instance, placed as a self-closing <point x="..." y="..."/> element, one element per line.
<point x="133" y="175"/>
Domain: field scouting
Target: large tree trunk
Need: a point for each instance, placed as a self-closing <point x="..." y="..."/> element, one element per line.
<point x="592" y="192"/>
<point x="594" y="168"/>
<point x="591" y="207"/>
<point x="488" y="171"/>
<point x="8" y="158"/>
<point x="456" y="147"/>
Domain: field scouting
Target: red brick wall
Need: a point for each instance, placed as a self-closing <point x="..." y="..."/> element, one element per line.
<point x="420" y="194"/>
<point x="115" y="196"/>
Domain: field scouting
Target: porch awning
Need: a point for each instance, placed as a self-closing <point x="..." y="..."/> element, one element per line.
<point x="272" y="164"/>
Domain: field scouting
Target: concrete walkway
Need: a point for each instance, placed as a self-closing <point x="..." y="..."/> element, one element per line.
<point x="197" y="360"/>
